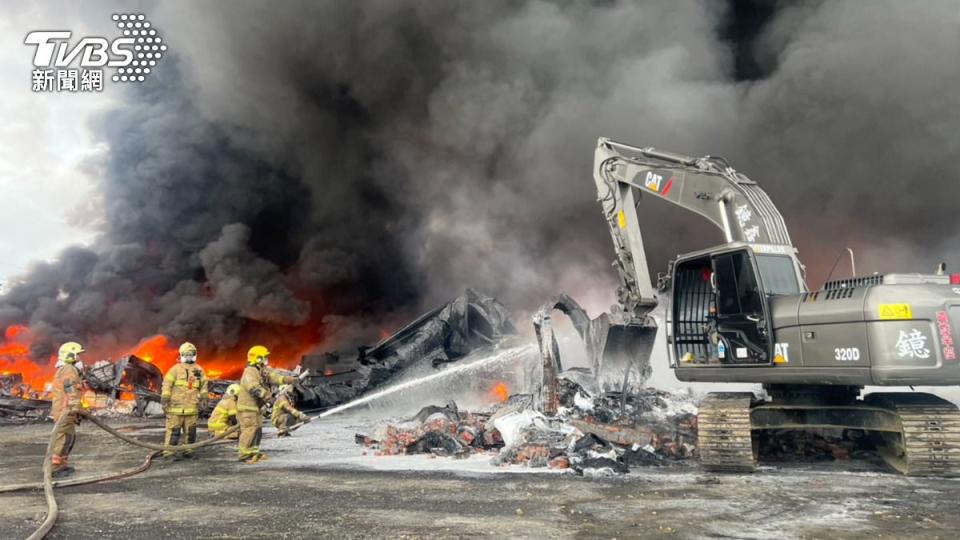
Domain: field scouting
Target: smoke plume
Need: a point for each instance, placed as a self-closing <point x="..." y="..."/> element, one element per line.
<point x="297" y="171"/>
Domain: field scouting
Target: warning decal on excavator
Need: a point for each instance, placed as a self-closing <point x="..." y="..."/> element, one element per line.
<point x="621" y="219"/>
<point x="895" y="311"/>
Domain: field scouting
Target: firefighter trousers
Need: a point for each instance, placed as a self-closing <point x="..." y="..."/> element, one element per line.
<point x="64" y="437"/>
<point x="283" y="421"/>
<point x="251" y="431"/>
<point x="180" y="429"/>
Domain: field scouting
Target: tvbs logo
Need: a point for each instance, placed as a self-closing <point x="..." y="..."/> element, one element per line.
<point x="61" y="65"/>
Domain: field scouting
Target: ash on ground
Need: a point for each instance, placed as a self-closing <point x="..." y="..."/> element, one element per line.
<point x="595" y="435"/>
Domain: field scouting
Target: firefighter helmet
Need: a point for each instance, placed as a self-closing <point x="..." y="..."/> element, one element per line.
<point x="257" y="355"/>
<point x="70" y="352"/>
<point x="188" y="352"/>
<point x="233" y="389"/>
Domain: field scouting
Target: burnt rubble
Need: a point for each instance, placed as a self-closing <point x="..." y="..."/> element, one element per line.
<point x="446" y="334"/>
<point x="19" y="402"/>
<point x="591" y="435"/>
<point x="129" y="386"/>
<point x="130" y="375"/>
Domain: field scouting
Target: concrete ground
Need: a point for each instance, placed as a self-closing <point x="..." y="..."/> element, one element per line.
<point x="317" y="484"/>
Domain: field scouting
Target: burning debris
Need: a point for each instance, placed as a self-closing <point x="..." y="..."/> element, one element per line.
<point x="17" y="409"/>
<point x="592" y="435"/>
<point x="446" y="334"/>
<point x="130" y="378"/>
<point x="12" y="385"/>
<point x="19" y="402"/>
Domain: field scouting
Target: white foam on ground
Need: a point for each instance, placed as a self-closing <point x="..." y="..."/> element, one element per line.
<point x="330" y="443"/>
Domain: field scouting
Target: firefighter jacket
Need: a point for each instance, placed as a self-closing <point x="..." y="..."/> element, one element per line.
<point x="222" y="414"/>
<point x="185" y="385"/>
<point x="283" y="405"/>
<point x="67" y="391"/>
<point x="253" y="393"/>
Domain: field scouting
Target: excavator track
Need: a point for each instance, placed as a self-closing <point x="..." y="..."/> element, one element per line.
<point x="929" y="441"/>
<point x="723" y="425"/>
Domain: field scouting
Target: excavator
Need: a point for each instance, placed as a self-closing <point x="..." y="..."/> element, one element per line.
<point x="741" y="312"/>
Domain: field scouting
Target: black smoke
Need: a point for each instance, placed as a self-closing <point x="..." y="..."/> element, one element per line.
<point x="314" y="168"/>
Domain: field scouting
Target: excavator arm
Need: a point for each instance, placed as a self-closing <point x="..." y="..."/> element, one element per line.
<point x="707" y="186"/>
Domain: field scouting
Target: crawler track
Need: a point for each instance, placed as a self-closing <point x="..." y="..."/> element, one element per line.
<point x="929" y="441"/>
<point x="725" y="441"/>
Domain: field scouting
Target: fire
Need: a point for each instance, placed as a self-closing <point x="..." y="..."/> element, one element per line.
<point x="15" y="358"/>
<point x="160" y="350"/>
<point x="14" y="331"/>
<point x="157" y="350"/>
<point x="499" y="392"/>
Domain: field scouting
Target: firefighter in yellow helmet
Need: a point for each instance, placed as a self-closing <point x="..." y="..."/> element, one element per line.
<point x="252" y="398"/>
<point x="67" y="393"/>
<point x="284" y="413"/>
<point x="225" y="413"/>
<point x="184" y="393"/>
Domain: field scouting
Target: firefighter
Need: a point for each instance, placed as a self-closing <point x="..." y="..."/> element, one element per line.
<point x="252" y="398"/>
<point x="225" y="413"/>
<point x="284" y="412"/>
<point x="184" y="394"/>
<point x="67" y="390"/>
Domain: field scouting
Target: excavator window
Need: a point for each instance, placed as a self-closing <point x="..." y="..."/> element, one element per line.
<point x="737" y="291"/>
<point x="779" y="275"/>
<point x="739" y="329"/>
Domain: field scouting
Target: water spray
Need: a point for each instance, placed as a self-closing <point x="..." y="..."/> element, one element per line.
<point x="509" y="355"/>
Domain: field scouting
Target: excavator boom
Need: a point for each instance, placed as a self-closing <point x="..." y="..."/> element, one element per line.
<point x="707" y="186"/>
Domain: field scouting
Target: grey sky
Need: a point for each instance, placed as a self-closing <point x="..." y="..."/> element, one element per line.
<point x="48" y="157"/>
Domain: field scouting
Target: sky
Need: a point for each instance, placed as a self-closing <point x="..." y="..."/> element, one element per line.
<point x="48" y="154"/>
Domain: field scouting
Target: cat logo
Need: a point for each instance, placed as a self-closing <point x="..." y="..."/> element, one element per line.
<point x="781" y="353"/>
<point x="655" y="183"/>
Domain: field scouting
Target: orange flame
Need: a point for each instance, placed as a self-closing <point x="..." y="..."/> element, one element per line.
<point x="161" y="352"/>
<point x="227" y="363"/>
<point x="15" y="358"/>
<point x="499" y="392"/>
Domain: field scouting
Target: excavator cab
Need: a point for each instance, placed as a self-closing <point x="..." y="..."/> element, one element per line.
<point x="720" y="312"/>
<point x="740" y="328"/>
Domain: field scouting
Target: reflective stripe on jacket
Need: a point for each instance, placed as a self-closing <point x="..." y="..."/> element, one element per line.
<point x="283" y="405"/>
<point x="253" y="394"/>
<point x="223" y="412"/>
<point x="184" y="384"/>
<point x="67" y="390"/>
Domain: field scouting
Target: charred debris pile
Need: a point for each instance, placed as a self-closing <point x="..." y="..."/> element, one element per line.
<point x="603" y="434"/>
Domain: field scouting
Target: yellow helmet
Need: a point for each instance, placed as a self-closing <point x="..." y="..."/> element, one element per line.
<point x="233" y="389"/>
<point x="285" y="388"/>
<point x="257" y="355"/>
<point x="70" y="352"/>
<point x="188" y="352"/>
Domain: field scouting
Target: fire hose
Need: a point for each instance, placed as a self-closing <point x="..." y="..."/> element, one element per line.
<point x="48" y="484"/>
